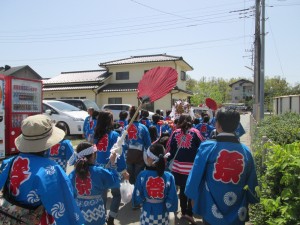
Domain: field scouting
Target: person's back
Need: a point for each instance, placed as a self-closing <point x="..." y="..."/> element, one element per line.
<point x="222" y="170"/>
<point x="62" y="151"/>
<point x="34" y="180"/>
<point x="90" y="182"/>
<point x="155" y="189"/>
<point x="204" y="128"/>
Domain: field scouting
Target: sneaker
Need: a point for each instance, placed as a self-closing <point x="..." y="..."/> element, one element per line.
<point x="137" y="207"/>
<point x="110" y="221"/>
<point x="190" y="219"/>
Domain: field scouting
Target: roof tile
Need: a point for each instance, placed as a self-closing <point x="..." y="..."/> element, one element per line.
<point x="142" y="59"/>
<point x="77" y="76"/>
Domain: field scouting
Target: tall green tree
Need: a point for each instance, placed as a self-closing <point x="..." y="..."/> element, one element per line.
<point x="275" y="86"/>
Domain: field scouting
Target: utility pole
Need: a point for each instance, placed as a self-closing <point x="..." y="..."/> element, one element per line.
<point x="257" y="68"/>
<point x="262" y="65"/>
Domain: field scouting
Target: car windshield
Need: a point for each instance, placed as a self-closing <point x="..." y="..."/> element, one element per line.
<point x="89" y="104"/>
<point x="62" y="106"/>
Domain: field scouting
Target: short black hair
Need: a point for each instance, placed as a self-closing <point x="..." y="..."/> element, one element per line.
<point x="62" y="126"/>
<point x="123" y="115"/>
<point x="228" y="120"/>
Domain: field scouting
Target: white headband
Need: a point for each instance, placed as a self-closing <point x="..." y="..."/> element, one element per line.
<point x="154" y="157"/>
<point x="77" y="156"/>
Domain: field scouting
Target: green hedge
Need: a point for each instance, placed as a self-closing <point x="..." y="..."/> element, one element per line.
<point x="278" y="167"/>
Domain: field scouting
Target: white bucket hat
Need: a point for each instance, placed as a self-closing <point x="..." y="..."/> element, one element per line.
<point x="38" y="134"/>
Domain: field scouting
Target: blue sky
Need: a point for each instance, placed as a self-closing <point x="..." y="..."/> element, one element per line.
<point x="214" y="37"/>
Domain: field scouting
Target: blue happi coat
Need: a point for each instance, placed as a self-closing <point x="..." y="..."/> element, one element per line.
<point x="88" y="192"/>
<point x="157" y="195"/>
<point x="35" y="180"/>
<point x="61" y="153"/>
<point x="222" y="181"/>
<point x="104" y="146"/>
<point x="89" y="125"/>
<point x="138" y="137"/>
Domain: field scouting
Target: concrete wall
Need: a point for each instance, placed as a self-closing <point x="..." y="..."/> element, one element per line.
<point x="283" y="104"/>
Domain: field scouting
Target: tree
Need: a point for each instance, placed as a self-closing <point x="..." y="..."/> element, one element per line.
<point x="275" y="86"/>
<point x="215" y="88"/>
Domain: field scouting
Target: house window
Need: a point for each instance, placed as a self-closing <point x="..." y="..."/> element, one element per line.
<point x="122" y="75"/>
<point x="236" y="88"/>
<point x="114" y="100"/>
<point x="183" y="75"/>
<point x="236" y="98"/>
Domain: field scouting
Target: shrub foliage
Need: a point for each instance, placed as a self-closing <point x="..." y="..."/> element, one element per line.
<point x="278" y="167"/>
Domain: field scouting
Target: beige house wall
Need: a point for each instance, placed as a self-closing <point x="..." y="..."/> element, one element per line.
<point x="127" y="97"/>
<point x="136" y="72"/>
<point x="88" y="94"/>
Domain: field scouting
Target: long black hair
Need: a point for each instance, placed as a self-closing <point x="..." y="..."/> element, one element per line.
<point x="82" y="166"/>
<point x="159" y="151"/>
<point x="185" y="123"/>
<point x="104" y="124"/>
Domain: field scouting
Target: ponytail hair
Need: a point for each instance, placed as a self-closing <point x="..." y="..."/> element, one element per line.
<point x="82" y="165"/>
<point x="159" y="151"/>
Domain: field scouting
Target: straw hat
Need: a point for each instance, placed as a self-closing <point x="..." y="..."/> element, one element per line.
<point x="38" y="134"/>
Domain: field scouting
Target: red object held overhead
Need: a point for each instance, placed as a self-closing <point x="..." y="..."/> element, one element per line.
<point x="156" y="83"/>
<point x="210" y="103"/>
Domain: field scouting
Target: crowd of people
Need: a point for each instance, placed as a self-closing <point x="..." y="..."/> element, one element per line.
<point x="199" y="161"/>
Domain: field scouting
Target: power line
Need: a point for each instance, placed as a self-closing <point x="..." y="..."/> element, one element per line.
<point x="132" y="50"/>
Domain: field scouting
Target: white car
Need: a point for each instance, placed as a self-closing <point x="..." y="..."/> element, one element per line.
<point x="72" y="116"/>
<point x="117" y="108"/>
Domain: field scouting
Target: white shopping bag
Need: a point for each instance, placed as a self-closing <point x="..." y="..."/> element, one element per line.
<point x="126" y="190"/>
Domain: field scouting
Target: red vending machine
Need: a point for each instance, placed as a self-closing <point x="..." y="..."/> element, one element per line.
<point x="20" y="98"/>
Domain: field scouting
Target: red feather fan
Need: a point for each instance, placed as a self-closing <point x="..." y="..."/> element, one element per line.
<point x="156" y="83"/>
<point x="210" y="103"/>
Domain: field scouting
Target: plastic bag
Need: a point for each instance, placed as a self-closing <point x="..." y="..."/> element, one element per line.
<point x="126" y="190"/>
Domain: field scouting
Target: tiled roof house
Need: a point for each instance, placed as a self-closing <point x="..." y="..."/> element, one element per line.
<point x="117" y="82"/>
<point x="241" y="89"/>
<point x="20" y="72"/>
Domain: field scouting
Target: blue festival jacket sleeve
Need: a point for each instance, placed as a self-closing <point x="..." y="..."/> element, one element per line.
<point x="172" y="197"/>
<point x="85" y="126"/>
<point x="56" y="193"/>
<point x="198" y="170"/>
<point x="4" y="171"/>
<point x="69" y="149"/>
<point x="138" y="199"/>
<point x="110" y="177"/>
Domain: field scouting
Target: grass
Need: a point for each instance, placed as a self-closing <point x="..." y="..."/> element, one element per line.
<point x="75" y="140"/>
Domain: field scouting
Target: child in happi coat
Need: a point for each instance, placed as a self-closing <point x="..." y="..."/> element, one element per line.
<point x="155" y="188"/>
<point x="89" y="125"/>
<point x="105" y="138"/>
<point x="62" y="151"/>
<point x="205" y="128"/>
<point x="122" y="121"/>
<point x="91" y="181"/>
<point x="145" y="120"/>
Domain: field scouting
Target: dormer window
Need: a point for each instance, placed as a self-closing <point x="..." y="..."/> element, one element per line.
<point x="122" y="75"/>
